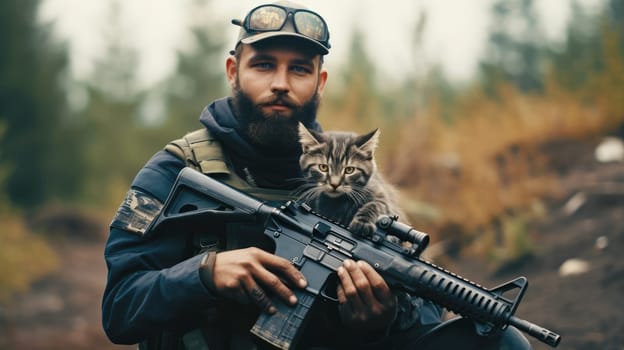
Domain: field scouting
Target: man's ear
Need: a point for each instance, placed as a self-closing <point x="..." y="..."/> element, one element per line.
<point x="322" y="81"/>
<point x="231" y="70"/>
<point x="307" y="138"/>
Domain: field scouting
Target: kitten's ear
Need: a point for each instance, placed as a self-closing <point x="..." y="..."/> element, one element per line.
<point x="307" y="138"/>
<point x="368" y="142"/>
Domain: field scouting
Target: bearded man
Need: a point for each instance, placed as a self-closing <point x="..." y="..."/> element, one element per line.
<point x="203" y="290"/>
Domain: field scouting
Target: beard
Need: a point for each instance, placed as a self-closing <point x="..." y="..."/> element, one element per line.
<point x="274" y="132"/>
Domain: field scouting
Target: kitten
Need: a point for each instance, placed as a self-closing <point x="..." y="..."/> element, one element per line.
<point x="342" y="181"/>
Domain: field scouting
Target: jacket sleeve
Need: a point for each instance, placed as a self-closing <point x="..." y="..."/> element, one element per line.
<point x="153" y="282"/>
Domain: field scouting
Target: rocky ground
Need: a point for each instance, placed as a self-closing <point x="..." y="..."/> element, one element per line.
<point x="63" y="311"/>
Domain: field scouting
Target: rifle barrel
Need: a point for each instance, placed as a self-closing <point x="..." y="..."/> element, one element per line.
<point x="549" y="337"/>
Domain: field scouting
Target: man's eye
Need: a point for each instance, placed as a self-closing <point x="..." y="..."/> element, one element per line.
<point x="301" y="69"/>
<point x="323" y="167"/>
<point x="263" y="65"/>
<point x="349" y="170"/>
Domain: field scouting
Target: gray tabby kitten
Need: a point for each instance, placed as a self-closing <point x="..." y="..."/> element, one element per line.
<point x="342" y="181"/>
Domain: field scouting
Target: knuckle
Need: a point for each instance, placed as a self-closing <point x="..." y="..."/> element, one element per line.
<point x="350" y="291"/>
<point x="249" y="265"/>
<point x="232" y="284"/>
<point x="364" y="265"/>
<point x="378" y="285"/>
<point x="361" y="283"/>
<point x="254" y="251"/>
<point x="273" y="282"/>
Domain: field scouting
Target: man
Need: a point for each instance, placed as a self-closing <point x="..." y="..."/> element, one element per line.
<point x="181" y="290"/>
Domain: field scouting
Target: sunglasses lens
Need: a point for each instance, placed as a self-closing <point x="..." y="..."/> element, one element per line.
<point x="311" y="25"/>
<point x="267" y="18"/>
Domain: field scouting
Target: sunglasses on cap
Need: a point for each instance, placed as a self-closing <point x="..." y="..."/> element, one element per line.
<point x="272" y="18"/>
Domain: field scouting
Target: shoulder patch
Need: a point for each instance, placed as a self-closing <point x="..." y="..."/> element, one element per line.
<point x="136" y="212"/>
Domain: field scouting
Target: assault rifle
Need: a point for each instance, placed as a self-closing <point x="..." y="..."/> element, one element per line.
<point x="318" y="246"/>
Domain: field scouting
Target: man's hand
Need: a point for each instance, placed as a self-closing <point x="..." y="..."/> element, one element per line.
<point x="244" y="274"/>
<point x="366" y="301"/>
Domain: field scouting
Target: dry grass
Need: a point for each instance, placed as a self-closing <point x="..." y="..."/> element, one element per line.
<point x="490" y="159"/>
<point x="24" y="257"/>
<point x="485" y="171"/>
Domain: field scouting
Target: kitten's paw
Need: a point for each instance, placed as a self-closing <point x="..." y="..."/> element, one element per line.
<point x="362" y="227"/>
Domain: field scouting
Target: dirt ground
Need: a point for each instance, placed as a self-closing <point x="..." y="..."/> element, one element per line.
<point x="584" y="308"/>
<point x="63" y="311"/>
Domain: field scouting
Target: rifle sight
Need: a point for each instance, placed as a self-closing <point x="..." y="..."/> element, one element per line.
<point x="391" y="225"/>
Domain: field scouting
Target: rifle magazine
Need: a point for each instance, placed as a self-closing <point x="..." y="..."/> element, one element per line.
<point x="284" y="328"/>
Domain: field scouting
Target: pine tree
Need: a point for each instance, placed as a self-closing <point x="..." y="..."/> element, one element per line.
<point x="39" y="144"/>
<point x="514" y="51"/>
<point x="199" y="77"/>
<point x="114" y="146"/>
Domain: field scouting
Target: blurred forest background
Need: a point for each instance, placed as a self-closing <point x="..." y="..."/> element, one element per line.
<point x="471" y="160"/>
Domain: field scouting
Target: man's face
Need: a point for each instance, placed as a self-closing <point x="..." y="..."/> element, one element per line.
<point x="275" y="86"/>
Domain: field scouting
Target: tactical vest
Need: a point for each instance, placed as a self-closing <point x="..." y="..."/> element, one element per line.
<point x="202" y="152"/>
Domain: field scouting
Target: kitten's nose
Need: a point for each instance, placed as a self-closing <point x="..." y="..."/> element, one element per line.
<point x="334" y="181"/>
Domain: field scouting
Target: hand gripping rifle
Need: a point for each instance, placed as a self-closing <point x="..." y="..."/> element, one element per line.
<point x="318" y="246"/>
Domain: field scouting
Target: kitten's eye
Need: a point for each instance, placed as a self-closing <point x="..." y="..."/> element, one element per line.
<point x="349" y="170"/>
<point x="323" y="167"/>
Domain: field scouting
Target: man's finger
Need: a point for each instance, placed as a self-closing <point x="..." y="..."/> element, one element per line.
<point x="283" y="267"/>
<point x="350" y="290"/>
<point x="379" y="287"/>
<point x="275" y="285"/>
<point x="360" y="280"/>
<point x="342" y="298"/>
<point x="260" y="298"/>
<point x="343" y="302"/>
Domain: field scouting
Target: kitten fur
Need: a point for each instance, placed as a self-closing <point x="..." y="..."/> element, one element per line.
<point x="342" y="181"/>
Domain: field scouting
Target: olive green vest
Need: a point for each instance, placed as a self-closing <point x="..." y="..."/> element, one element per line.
<point x="201" y="151"/>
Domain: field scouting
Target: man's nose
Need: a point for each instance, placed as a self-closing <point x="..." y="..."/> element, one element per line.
<point x="280" y="84"/>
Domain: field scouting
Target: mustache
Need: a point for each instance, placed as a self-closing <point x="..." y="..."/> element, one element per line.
<point x="282" y="100"/>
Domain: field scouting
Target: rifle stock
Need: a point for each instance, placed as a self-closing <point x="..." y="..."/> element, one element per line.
<point x="318" y="247"/>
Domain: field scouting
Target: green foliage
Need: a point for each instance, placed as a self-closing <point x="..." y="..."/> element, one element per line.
<point x="354" y="99"/>
<point x="39" y="145"/>
<point x="111" y="122"/>
<point x="4" y="166"/>
<point x="199" y="77"/>
<point x="515" y="48"/>
<point x="587" y="51"/>
<point x="114" y="76"/>
<point x="580" y="56"/>
<point x="120" y="128"/>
